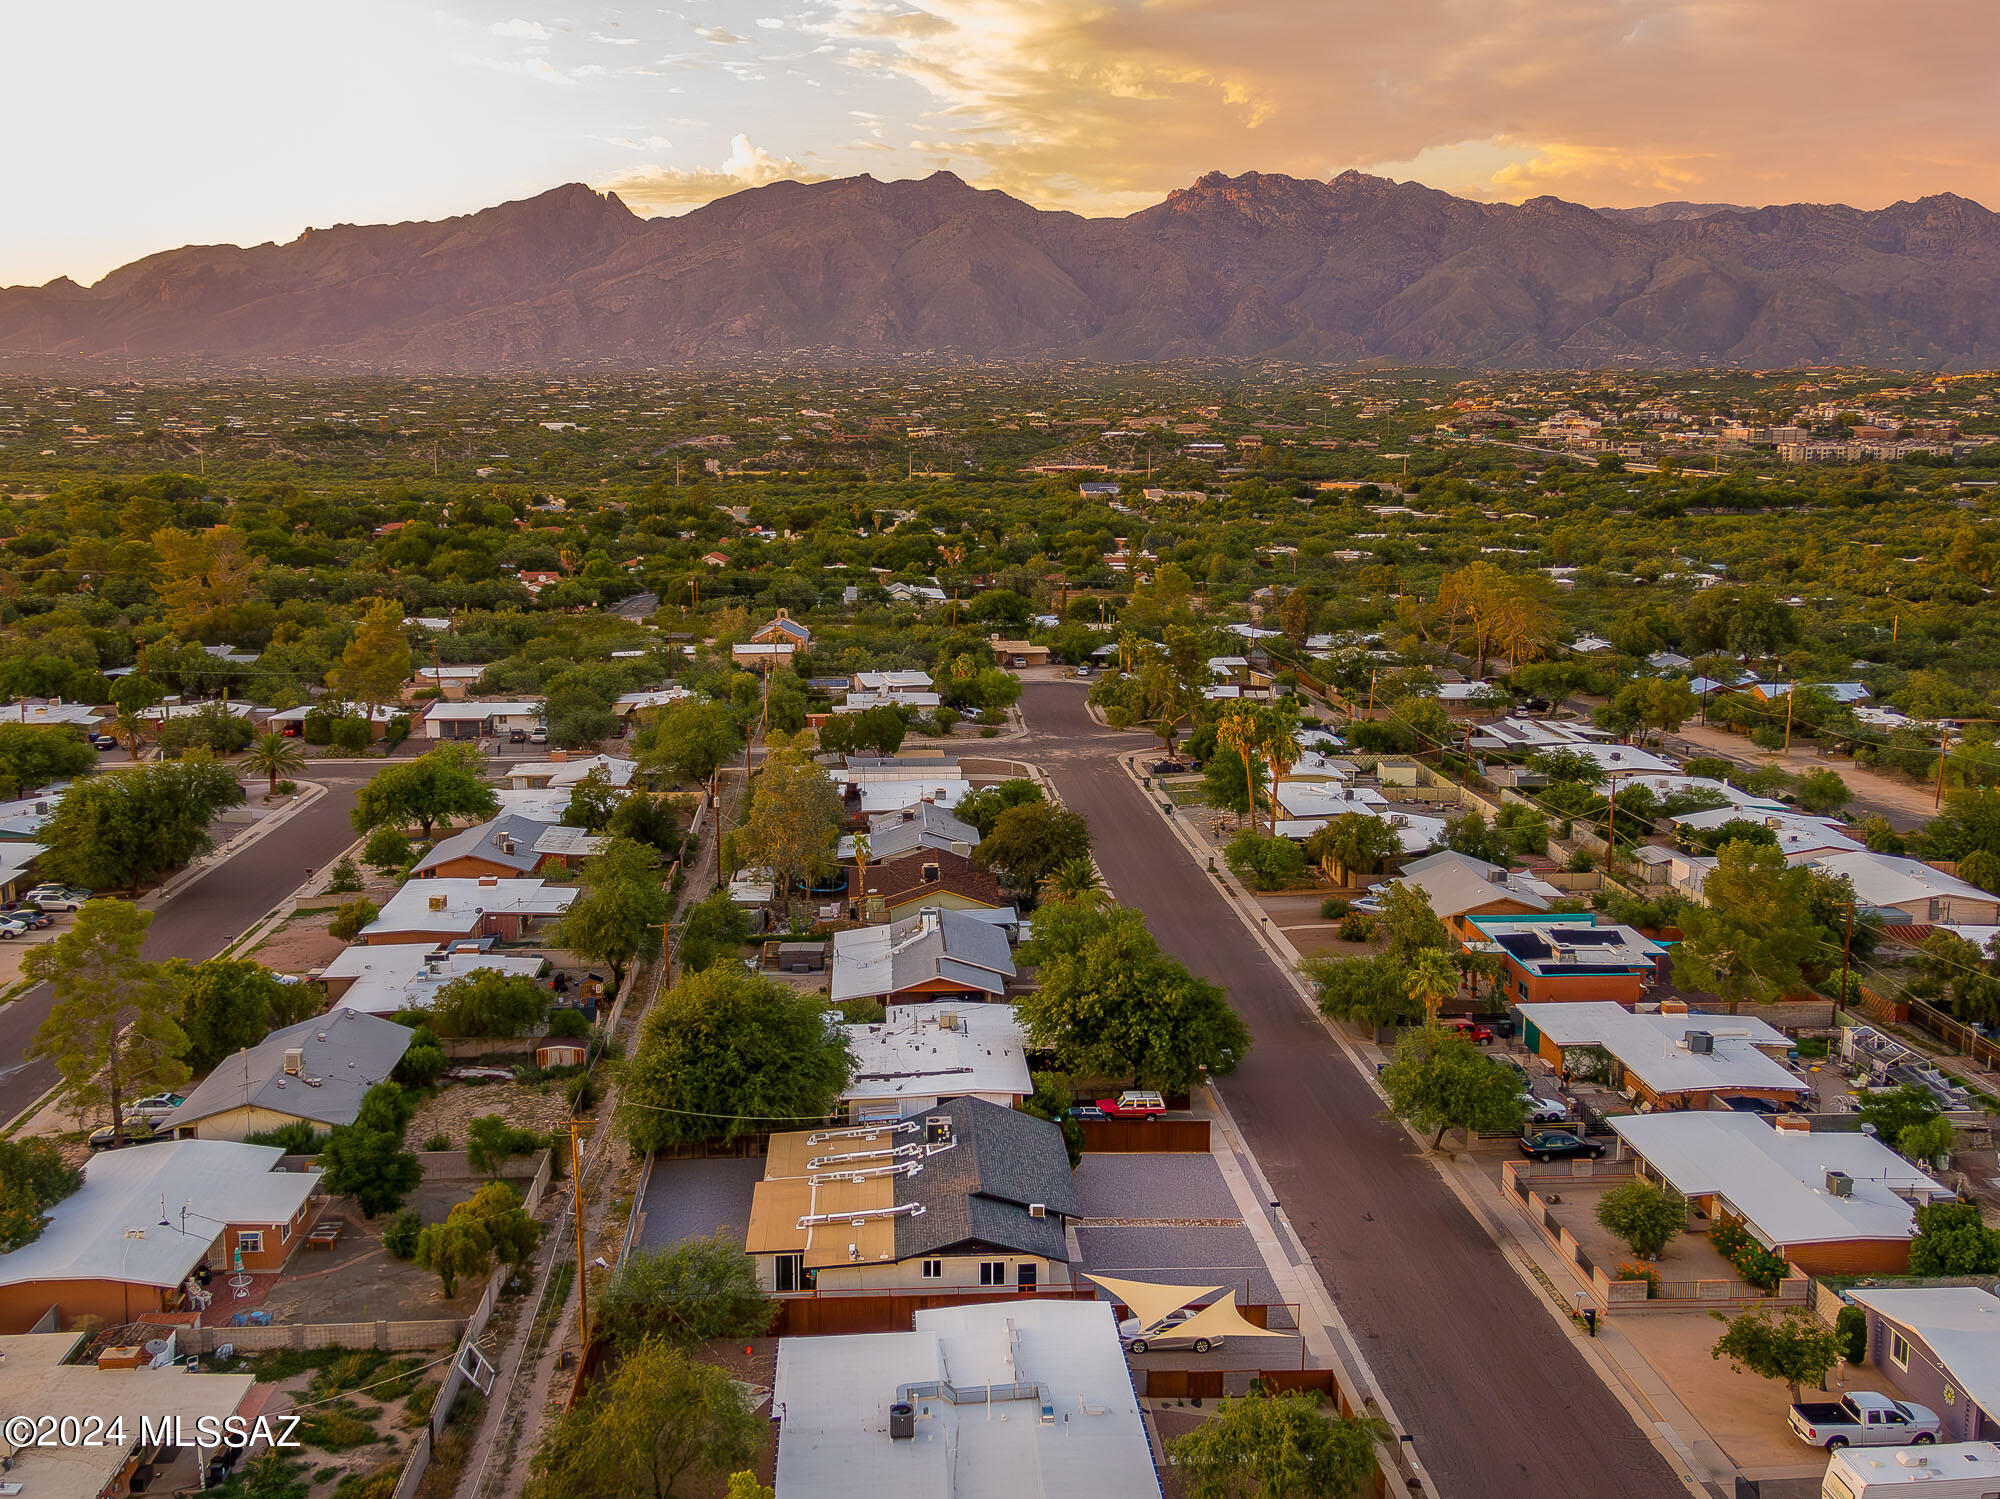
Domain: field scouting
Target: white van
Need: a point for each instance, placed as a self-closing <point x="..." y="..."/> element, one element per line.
<point x="1956" y="1470"/>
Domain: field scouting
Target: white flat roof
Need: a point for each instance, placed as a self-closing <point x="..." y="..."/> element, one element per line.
<point x="1777" y="1178"/>
<point x="1653" y="1047"/>
<point x="1960" y="1324"/>
<point x="476" y="711"/>
<point x="399" y="975"/>
<point x="410" y="910"/>
<point x="835" y="1394"/>
<point x="914" y="1053"/>
<point x="109" y="1228"/>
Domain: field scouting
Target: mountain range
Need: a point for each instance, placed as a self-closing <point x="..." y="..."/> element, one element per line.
<point x="1350" y="270"/>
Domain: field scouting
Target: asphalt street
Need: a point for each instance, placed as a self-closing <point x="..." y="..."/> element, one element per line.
<point x="204" y="916"/>
<point x="1499" y="1403"/>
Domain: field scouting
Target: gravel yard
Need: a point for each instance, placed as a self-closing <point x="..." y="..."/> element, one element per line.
<point x="451" y="1110"/>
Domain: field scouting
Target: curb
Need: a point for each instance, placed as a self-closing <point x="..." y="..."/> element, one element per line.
<point x="311" y="791"/>
<point x="1665" y="1440"/>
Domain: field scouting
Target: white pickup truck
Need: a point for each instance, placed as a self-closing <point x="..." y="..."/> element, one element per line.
<point x="1864" y="1419"/>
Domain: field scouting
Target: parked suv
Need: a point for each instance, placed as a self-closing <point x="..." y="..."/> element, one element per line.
<point x="1133" y="1103"/>
<point x="56" y="897"/>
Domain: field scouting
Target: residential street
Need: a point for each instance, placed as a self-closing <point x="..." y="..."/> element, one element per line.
<point x="1499" y="1404"/>
<point x="202" y="918"/>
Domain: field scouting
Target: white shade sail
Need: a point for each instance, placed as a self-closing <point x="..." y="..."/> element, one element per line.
<point x="1150" y="1302"/>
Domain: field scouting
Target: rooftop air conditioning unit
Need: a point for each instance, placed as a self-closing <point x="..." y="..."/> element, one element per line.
<point x="1839" y="1184"/>
<point x="1398" y="820"/>
<point x="295" y="1060"/>
<point x="1496" y="876"/>
<point x="1038" y="1210"/>
<point x="505" y="843"/>
<point x="439" y="902"/>
<point x="937" y="1129"/>
<point x="1701" y="1043"/>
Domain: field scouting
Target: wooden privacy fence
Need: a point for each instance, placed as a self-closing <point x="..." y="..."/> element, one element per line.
<point x="1213" y="1384"/>
<point x="1143" y="1136"/>
<point x="811" y="1313"/>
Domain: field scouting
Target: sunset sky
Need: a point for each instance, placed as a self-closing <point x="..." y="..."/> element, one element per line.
<point x="137" y="126"/>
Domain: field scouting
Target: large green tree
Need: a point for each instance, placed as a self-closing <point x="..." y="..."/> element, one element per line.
<point x="793" y="826"/>
<point x="376" y="662"/>
<point x="688" y="741"/>
<point x="111" y="1032"/>
<point x="1111" y="1004"/>
<point x="1795" y="1346"/>
<point x="1283" y="1446"/>
<point x="622" y="899"/>
<point x="687" y="1294"/>
<point x="662" y="1426"/>
<point x="226" y="1005"/>
<point x="118" y="830"/>
<point x="1753" y="930"/>
<point x="1366" y="991"/>
<point x="1355" y="844"/>
<point x="31" y="756"/>
<point x="1030" y="842"/>
<point x="1441" y="1080"/>
<point x="442" y="785"/>
<point x="725" y="1053"/>
<point x="487" y="1002"/>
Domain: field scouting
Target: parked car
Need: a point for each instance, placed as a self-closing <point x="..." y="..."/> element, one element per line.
<point x="290" y="730"/>
<point x="1087" y="1111"/>
<point x="103" y="742"/>
<point x="1545" y="1110"/>
<point x="517" y="736"/>
<point x="1169" y="768"/>
<point x="1863" y="1418"/>
<point x="538" y="736"/>
<point x="1472" y="1028"/>
<point x="137" y="1132"/>
<point x="1557" y="1144"/>
<point x="56" y="898"/>
<point x="1133" y="1103"/>
<point x="155" y="1106"/>
<point x="1137" y="1337"/>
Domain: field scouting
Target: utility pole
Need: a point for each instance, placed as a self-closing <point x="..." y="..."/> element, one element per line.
<point x="1468" y="757"/>
<point x="1791" y="696"/>
<point x="1846" y="946"/>
<point x="582" y="1265"/>
<point x="1371" y="689"/>
<point x="1944" y="745"/>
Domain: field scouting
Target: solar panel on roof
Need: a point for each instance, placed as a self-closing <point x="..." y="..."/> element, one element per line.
<point x="1524" y="945"/>
<point x="1589" y="937"/>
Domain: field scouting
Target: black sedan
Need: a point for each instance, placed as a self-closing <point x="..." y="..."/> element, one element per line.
<point x="1555" y="1144"/>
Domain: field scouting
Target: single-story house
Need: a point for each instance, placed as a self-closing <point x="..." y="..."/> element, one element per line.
<point x="17" y="861"/>
<point x="1019" y="653"/>
<point x="452" y="682"/>
<point x="920" y="1055"/>
<point x="893" y="684"/>
<point x="481" y="720"/>
<point x="314" y="1073"/>
<point x="1925" y="895"/>
<point x="1832" y="1203"/>
<point x="1460" y="887"/>
<point x="23" y="818"/>
<point x="1568" y="957"/>
<point x="632" y="704"/>
<point x="509" y="846"/>
<point x="869" y="786"/>
<point x="1668" y="1061"/>
<point x="111" y="1251"/>
<point x="945" y="882"/>
<point x="1941" y="1346"/>
<point x="898" y="835"/>
<point x="446" y="910"/>
<point x="976" y="1195"/>
<point x="1053" y="1371"/>
<point x="42" y="1376"/>
<point x="1841" y="692"/>
<point x="1797" y="833"/>
<point x="563" y="770"/>
<point x="937" y="954"/>
<point x="54" y="713"/>
<point x="380" y="716"/>
<point x="782" y="630"/>
<point x="382" y="979"/>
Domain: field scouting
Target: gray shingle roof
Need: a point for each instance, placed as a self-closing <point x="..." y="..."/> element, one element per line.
<point x="491" y="841"/>
<point x="979" y="1190"/>
<point x="343" y="1054"/>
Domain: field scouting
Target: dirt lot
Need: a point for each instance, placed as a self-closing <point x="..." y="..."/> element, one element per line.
<point x="451" y="1110"/>
<point x="358" y="1280"/>
<point x="302" y="942"/>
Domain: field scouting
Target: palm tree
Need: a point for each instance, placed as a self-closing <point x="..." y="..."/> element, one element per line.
<point x="1431" y="979"/>
<point x="274" y="755"/>
<point x="1238" y="731"/>
<point x="864" y="850"/>
<point x="1074" y="880"/>
<point x="1282" y="748"/>
<point x="130" y="730"/>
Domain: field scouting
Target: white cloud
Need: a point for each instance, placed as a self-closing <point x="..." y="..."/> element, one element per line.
<point x="524" y="31"/>
<point x="771" y="23"/>
<point x="719" y="36"/>
<point x="665" y="190"/>
<point x="614" y="41"/>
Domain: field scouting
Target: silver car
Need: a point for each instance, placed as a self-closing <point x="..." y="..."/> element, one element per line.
<point x="1137" y="1337"/>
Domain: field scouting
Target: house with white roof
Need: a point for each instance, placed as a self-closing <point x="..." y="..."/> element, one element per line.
<point x="481" y="720"/>
<point x="1831" y="1202"/>
<point x="1925" y="895"/>
<point x="54" y="713"/>
<point x="1460" y="886"/>
<point x="632" y="704"/>
<point x="985" y="1401"/>
<point x="870" y="785"/>
<point x="106" y="1252"/>
<point x="452" y="682"/>
<point x="919" y="1055"/>
<point x="17" y="867"/>
<point x="563" y="770"/>
<point x="449" y="910"/>
<point x="1669" y="1060"/>
<point x="1796" y="832"/>
<point x="384" y="978"/>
